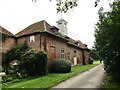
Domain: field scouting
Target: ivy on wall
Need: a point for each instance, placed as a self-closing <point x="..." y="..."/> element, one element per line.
<point x="3" y="37"/>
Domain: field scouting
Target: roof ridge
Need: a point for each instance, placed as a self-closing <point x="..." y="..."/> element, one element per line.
<point x="5" y="31"/>
<point x="35" y="27"/>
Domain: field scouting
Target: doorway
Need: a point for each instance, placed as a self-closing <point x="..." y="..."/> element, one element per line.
<point x="75" y="58"/>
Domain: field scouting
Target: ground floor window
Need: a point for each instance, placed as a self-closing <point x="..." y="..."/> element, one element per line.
<point x="68" y="56"/>
<point x="62" y="54"/>
<point x="75" y="53"/>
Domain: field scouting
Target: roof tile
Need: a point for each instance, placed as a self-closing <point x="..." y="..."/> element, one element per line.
<point x="4" y="31"/>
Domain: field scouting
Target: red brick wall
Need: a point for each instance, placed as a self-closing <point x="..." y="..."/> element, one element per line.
<point x="8" y="43"/>
<point x="87" y="56"/>
<point x="33" y="45"/>
<point x="54" y="47"/>
<point x="78" y="54"/>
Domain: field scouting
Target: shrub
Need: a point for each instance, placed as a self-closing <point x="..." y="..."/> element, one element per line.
<point x="34" y="63"/>
<point x="28" y="63"/>
<point x="91" y="61"/>
<point x="31" y="62"/>
<point x="7" y="78"/>
<point x="61" y="66"/>
<point x="15" y="53"/>
<point x="41" y="62"/>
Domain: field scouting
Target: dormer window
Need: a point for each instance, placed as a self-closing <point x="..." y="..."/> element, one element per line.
<point x="85" y="45"/>
<point x="32" y="38"/>
<point x="54" y="29"/>
<point x="67" y="37"/>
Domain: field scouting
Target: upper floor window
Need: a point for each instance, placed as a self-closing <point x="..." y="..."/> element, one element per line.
<point x="62" y="54"/>
<point x="32" y="38"/>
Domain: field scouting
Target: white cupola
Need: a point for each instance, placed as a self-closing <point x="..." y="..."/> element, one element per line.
<point x="62" y="25"/>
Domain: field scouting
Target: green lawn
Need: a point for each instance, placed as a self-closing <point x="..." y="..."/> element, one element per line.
<point x="49" y="80"/>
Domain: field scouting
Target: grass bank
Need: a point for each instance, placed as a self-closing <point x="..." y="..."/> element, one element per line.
<point x="49" y="80"/>
<point x="110" y="85"/>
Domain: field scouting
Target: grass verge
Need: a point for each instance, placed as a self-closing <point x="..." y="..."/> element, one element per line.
<point x="49" y="80"/>
<point x="109" y="84"/>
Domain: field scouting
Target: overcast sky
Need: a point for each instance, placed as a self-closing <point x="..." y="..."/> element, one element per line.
<point x="16" y="15"/>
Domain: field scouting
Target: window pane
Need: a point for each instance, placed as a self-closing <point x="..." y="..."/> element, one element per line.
<point x="75" y="53"/>
<point x="68" y="56"/>
<point x="32" y="38"/>
<point x="62" y="53"/>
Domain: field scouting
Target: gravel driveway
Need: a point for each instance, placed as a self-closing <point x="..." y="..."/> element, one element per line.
<point x="89" y="79"/>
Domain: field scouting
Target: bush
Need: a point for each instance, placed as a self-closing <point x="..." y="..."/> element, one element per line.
<point x="15" y="53"/>
<point x="61" y="66"/>
<point x="34" y="63"/>
<point x="31" y="62"/>
<point x="7" y="78"/>
<point x="41" y="62"/>
<point x="91" y="61"/>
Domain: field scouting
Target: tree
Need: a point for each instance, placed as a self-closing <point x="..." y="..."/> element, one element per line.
<point x="62" y="6"/>
<point x="94" y="54"/>
<point x="107" y="40"/>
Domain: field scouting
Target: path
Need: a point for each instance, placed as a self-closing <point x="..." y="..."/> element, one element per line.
<point x="89" y="79"/>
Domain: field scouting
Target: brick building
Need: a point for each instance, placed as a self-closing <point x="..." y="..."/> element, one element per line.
<point x="53" y="40"/>
<point x="7" y="40"/>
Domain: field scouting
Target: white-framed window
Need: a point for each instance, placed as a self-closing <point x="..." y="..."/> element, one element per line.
<point x="62" y="54"/>
<point x="32" y="38"/>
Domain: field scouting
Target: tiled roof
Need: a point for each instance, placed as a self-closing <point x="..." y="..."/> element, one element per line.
<point x="43" y="26"/>
<point x="36" y="27"/>
<point x="59" y="35"/>
<point x="4" y="31"/>
<point x="72" y="42"/>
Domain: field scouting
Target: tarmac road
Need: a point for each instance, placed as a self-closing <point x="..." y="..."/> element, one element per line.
<point x="92" y="78"/>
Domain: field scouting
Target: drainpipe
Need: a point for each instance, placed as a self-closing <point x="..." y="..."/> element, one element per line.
<point x="83" y="62"/>
<point x="45" y="45"/>
<point x="40" y="41"/>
